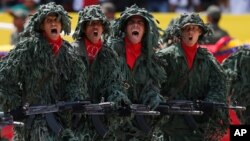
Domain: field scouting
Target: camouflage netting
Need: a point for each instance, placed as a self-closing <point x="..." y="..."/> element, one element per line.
<point x="174" y="29"/>
<point x="35" y="22"/>
<point x="168" y="34"/>
<point x="90" y="13"/>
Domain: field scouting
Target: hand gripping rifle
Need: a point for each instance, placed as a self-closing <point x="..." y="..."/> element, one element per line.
<point x="7" y="119"/>
<point x="85" y="107"/>
<point x="138" y="110"/>
<point x="207" y="107"/>
<point x="171" y="107"/>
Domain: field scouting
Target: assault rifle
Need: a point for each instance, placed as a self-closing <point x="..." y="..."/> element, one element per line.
<point x="173" y="107"/>
<point x="76" y="106"/>
<point x="85" y="107"/>
<point x="181" y="107"/>
<point x="138" y="110"/>
<point x="6" y="119"/>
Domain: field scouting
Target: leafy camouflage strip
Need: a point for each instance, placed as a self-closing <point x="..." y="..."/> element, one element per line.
<point x="169" y="33"/>
<point x="88" y="14"/>
<point x="36" y="20"/>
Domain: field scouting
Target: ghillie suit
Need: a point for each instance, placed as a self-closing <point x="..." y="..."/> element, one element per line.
<point x="32" y="73"/>
<point x="205" y="80"/>
<point x="237" y="70"/>
<point x="103" y="79"/>
<point x="142" y="83"/>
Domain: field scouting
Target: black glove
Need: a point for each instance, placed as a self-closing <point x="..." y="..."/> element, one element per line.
<point x="18" y="113"/>
<point x="207" y="107"/>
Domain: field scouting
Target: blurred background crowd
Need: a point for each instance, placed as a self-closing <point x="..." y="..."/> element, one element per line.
<point x="229" y="6"/>
<point x="231" y="15"/>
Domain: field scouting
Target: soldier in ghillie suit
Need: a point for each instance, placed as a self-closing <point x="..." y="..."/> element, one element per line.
<point x="134" y="39"/>
<point x="193" y="74"/>
<point x="237" y="69"/>
<point x="42" y="70"/>
<point x="103" y="80"/>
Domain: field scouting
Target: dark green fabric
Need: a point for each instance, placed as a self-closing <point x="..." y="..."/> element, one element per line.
<point x="204" y="81"/>
<point x="237" y="69"/>
<point x="31" y="73"/>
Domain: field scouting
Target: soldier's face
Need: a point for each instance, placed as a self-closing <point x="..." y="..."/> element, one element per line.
<point x="52" y="27"/>
<point x="94" y="30"/>
<point x="135" y="29"/>
<point x="190" y="34"/>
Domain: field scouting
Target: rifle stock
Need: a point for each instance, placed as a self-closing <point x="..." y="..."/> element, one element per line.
<point x="8" y="120"/>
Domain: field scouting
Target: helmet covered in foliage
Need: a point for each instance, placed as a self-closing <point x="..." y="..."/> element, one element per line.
<point x="189" y="19"/>
<point x="35" y="22"/>
<point x="151" y="35"/>
<point x="88" y="14"/>
<point x="168" y="34"/>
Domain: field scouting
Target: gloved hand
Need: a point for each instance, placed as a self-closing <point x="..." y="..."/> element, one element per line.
<point x="18" y="113"/>
<point x="207" y="107"/>
<point x="154" y="102"/>
<point x="119" y="99"/>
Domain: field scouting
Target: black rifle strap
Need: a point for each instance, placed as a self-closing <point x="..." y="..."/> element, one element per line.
<point x="192" y="124"/>
<point x="100" y="128"/>
<point x="76" y="120"/>
<point x="142" y="124"/>
<point x="181" y="83"/>
<point x="53" y="124"/>
<point x="29" y="121"/>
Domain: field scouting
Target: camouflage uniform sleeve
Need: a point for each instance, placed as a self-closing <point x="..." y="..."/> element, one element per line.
<point x="110" y="85"/>
<point x="217" y="82"/>
<point x="11" y="69"/>
<point x="231" y="66"/>
<point x="218" y="121"/>
<point x="76" y="89"/>
<point x="151" y="92"/>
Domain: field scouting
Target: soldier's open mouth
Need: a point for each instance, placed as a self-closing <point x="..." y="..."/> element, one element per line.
<point x="54" y="31"/>
<point x="136" y="33"/>
<point x="190" y="38"/>
<point x="95" y="33"/>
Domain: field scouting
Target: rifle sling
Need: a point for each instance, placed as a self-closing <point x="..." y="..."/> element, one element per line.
<point x="53" y="124"/>
<point x="192" y="124"/>
<point x="29" y="121"/>
<point x="142" y="124"/>
<point x="101" y="129"/>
